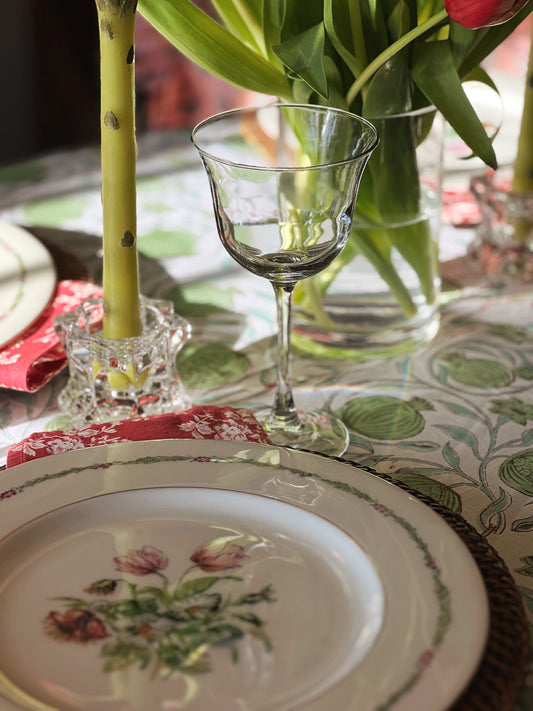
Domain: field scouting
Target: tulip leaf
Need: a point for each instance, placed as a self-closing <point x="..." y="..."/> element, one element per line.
<point x="335" y="89"/>
<point x="296" y="21"/>
<point x="389" y="90"/>
<point x="337" y="26"/>
<point x="303" y="55"/>
<point x="272" y="17"/>
<point x="399" y="20"/>
<point x="434" y="73"/>
<point x="213" y="47"/>
<point x="242" y="19"/>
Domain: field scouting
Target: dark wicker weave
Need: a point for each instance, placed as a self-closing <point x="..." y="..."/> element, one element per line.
<point x="502" y="671"/>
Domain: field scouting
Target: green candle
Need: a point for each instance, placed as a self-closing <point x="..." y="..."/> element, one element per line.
<point x="120" y="271"/>
<point x="523" y="166"/>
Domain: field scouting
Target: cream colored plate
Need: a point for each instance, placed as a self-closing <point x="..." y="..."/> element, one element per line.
<point x="207" y="574"/>
<point x="27" y="280"/>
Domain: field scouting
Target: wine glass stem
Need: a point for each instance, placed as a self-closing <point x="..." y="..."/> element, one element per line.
<point x="284" y="412"/>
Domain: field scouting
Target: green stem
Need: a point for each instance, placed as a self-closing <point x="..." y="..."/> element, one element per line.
<point x="523" y="165"/>
<point x="394" y="48"/>
<point x="367" y="243"/>
<point x="120" y="270"/>
<point x="356" y="24"/>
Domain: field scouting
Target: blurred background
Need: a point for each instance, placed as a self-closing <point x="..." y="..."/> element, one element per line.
<point x="49" y="76"/>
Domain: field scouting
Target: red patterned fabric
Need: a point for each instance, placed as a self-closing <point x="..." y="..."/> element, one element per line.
<point x="36" y="356"/>
<point x="200" y="422"/>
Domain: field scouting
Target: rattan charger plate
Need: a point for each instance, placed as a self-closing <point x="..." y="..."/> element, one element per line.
<point x="503" y="668"/>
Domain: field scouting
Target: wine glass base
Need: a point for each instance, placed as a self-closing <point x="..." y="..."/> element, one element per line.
<point x="316" y="431"/>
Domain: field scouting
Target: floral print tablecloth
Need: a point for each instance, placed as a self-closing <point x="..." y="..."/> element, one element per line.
<point x="454" y="421"/>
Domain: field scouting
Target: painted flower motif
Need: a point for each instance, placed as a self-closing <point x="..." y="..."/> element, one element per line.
<point x="106" y="586"/>
<point x="147" y="560"/>
<point x="168" y="626"/>
<point x="8" y="494"/>
<point x="380" y="508"/>
<point x="146" y="631"/>
<point x="426" y="658"/>
<point x="78" y="626"/>
<point x="219" y="555"/>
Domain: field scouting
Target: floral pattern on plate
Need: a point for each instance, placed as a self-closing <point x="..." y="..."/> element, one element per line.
<point x="170" y="627"/>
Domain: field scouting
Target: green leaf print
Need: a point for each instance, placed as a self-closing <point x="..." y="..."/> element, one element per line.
<point x="451" y="456"/>
<point x="527" y="567"/>
<point x="384" y="417"/>
<point x="517" y="472"/>
<point x="477" y="372"/>
<point x="463" y="411"/>
<point x="194" y="587"/>
<point x="167" y="243"/>
<point x="512" y="408"/>
<point x="523" y="525"/>
<point x="430" y="487"/>
<point x="211" y="366"/>
<point x="461" y="435"/>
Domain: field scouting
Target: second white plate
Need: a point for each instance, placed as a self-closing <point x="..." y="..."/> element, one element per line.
<point x="27" y="280"/>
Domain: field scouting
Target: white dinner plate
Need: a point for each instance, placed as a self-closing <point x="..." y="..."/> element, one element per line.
<point x="191" y="574"/>
<point x="27" y="280"/>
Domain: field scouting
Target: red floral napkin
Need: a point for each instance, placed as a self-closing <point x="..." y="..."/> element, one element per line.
<point x="36" y="356"/>
<point x="200" y="422"/>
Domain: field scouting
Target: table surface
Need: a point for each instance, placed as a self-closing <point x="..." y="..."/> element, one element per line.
<point x="467" y="398"/>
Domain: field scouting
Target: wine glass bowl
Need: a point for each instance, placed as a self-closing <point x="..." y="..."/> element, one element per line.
<point x="284" y="181"/>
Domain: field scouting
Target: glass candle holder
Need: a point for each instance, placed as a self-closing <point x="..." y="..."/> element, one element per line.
<point x="117" y="378"/>
<point x="503" y="246"/>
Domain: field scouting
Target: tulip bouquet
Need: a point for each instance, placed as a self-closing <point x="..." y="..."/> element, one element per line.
<point x="373" y="58"/>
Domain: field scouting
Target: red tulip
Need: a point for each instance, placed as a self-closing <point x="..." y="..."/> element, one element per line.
<point x="482" y="13"/>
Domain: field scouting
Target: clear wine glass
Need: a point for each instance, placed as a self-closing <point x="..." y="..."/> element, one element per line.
<point x="284" y="180"/>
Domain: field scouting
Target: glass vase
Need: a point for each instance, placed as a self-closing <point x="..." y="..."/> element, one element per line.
<point x="117" y="378"/>
<point x="381" y="295"/>
<point x="503" y="246"/>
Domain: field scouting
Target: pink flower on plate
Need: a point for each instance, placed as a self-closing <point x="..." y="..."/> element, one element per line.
<point x="78" y="626"/>
<point x="147" y="560"/>
<point x="426" y="658"/>
<point x="380" y="508"/>
<point x="219" y="555"/>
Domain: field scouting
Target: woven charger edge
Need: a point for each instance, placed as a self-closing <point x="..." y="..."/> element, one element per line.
<point x="502" y="670"/>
